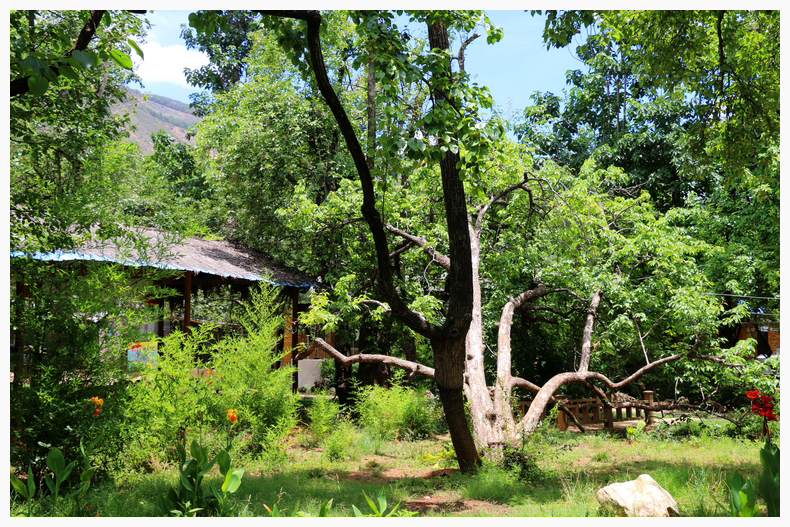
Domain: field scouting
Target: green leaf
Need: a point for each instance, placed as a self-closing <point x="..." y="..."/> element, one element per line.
<point x="19" y="487"/>
<point x="233" y="481"/>
<point x="66" y="472"/>
<point x="186" y="483"/>
<point x="55" y="461"/>
<point x="121" y="58"/>
<point x="372" y="505"/>
<point x="38" y="85"/>
<point x="50" y="484"/>
<point x="326" y="505"/>
<point x="136" y="48"/>
<point x="382" y="499"/>
<point x="223" y="459"/>
<point x="87" y="59"/>
<point x="357" y="512"/>
<point x="88" y="474"/>
<point x="68" y="72"/>
<point x="31" y="486"/>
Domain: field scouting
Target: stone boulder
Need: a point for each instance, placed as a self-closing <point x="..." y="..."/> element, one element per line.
<point x="640" y="497"/>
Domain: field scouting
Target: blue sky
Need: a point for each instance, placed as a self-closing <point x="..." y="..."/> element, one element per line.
<point x="512" y="69"/>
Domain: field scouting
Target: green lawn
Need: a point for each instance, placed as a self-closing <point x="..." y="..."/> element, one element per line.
<point x="569" y="471"/>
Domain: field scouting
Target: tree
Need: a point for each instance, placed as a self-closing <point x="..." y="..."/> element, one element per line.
<point x="227" y="51"/>
<point x="68" y="332"/>
<point x="690" y="119"/>
<point x="593" y="251"/>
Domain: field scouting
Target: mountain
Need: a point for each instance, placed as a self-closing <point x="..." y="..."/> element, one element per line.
<point x="150" y="113"/>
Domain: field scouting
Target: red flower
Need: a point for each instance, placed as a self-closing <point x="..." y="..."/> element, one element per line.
<point x="232" y="417"/>
<point x="96" y="412"/>
<point x="763" y="404"/>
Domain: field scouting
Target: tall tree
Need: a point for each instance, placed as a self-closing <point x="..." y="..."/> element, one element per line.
<point x="227" y="50"/>
<point x="551" y="245"/>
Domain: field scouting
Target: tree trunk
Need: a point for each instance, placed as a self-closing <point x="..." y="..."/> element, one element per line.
<point x="490" y="426"/>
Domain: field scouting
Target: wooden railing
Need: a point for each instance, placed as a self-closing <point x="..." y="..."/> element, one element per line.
<point x="592" y="410"/>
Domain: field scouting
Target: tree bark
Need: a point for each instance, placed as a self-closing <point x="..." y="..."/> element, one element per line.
<point x="448" y="340"/>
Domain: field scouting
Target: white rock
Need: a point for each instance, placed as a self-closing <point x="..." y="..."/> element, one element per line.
<point x="640" y="497"/>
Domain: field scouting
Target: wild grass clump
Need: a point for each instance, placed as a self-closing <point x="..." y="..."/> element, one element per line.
<point x="397" y="412"/>
<point x="342" y="443"/>
<point x="322" y="415"/>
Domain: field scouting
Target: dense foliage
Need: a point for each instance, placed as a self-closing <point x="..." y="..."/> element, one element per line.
<point x="640" y="210"/>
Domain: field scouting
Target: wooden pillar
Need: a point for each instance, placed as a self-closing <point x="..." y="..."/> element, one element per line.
<point x="295" y="333"/>
<point x="160" y="322"/>
<point x="648" y="397"/>
<point x="187" y="301"/>
<point x="562" y="420"/>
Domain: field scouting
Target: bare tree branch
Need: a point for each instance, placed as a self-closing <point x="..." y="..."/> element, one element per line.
<point x="413" y="368"/>
<point x="430" y="250"/>
<point x="462" y="51"/>
<point x="584" y="363"/>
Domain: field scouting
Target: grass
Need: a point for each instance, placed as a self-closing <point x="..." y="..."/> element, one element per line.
<point x="572" y="467"/>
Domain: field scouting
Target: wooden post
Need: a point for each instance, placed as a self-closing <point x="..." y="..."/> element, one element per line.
<point x="187" y="301"/>
<point x="608" y="422"/>
<point x="597" y="410"/>
<point x="562" y="420"/>
<point x="295" y="335"/>
<point x="160" y="322"/>
<point x="648" y="396"/>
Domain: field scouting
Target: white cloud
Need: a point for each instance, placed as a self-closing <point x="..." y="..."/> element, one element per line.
<point x="167" y="63"/>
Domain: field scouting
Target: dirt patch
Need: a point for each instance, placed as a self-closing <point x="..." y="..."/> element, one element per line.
<point x="374" y="470"/>
<point x="441" y="505"/>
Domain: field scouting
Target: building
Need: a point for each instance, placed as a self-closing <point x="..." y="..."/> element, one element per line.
<point x="196" y="264"/>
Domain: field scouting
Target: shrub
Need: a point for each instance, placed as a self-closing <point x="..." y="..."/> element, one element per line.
<point x="68" y="334"/>
<point x="397" y="412"/>
<point x="184" y="396"/>
<point x="341" y="443"/>
<point x="322" y="414"/>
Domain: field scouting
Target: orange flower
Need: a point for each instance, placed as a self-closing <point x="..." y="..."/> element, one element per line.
<point x="232" y="416"/>
<point x="98" y="404"/>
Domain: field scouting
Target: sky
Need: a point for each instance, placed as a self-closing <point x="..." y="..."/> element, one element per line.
<point x="512" y="69"/>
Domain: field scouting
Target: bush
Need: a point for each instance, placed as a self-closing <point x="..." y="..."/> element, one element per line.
<point x="70" y="338"/>
<point x="341" y="444"/>
<point x="323" y="415"/>
<point x="397" y="412"/>
<point x="183" y="396"/>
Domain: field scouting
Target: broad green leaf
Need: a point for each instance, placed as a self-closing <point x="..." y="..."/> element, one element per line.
<point x="121" y="58"/>
<point x="19" y="487"/>
<point x="231" y="485"/>
<point x="223" y="459"/>
<point x="38" y="85"/>
<point x="55" y="461"/>
<point x="68" y="72"/>
<point x="87" y="59"/>
<point x="136" y="47"/>
<point x="66" y="471"/>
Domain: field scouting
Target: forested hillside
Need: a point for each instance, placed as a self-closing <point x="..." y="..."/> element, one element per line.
<point x="150" y="113"/>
